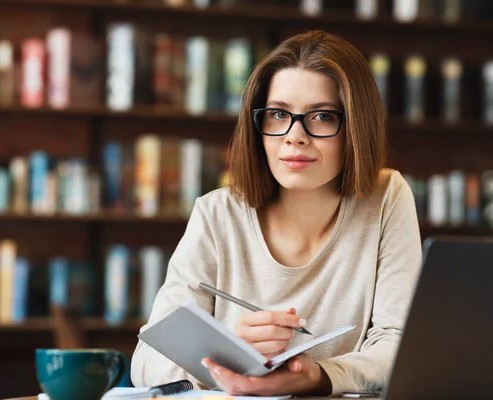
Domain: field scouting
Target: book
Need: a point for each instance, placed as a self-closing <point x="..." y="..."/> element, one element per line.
<point x="415" y="70"/>
<point x="311" y="7"/>
<point x="405" y="10"/>
<point x="4" y="190"/>
<point x="366" y="9"/>
<point x="237" y="66"/>
<point x="116" y="284"/>
<point x="488" y="92"/>
<point x="452" y="73"/>
<point x="8" y="257"/>
<point x="190" y="327"/>
<point x="437" y="200"/>
<point x="380" y="67"/>
<point x="7" y="73"/>
<point x="147" y="170"/>
<point x="33" y="64"/>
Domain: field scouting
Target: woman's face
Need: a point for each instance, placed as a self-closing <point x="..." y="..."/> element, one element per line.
<point x="299" y="161"/>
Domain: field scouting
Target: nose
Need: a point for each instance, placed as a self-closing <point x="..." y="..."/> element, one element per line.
<point x="297" y="135"/>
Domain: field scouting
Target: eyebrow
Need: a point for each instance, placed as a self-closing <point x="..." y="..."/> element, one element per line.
<point x="313" y="106"/>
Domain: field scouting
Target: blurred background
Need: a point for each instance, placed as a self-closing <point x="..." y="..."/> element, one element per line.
<point x="116" y="114"/>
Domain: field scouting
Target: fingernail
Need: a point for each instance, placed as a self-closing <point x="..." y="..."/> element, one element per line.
<point x="217" y="371"/>
<point x="302" y="322"/>
<point x="204" y="364"/>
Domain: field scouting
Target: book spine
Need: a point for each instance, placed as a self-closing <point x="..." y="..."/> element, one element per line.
<point x="7" y="73"/>
<point x="202" y="3"/>
<point x="59" y="281"/>
<point x="8" y="256"/>
<point x="452" y="11"/>
<point x="51" y="192"/>
<point x="457" y="197"/>
<point x="117" y="285"/>
<point x="94" y="193"/>
<point x="405" y="10"/>
<point x="4" y="190"/>
<point x="215" y="92"/>
<point x="191" y="173"/>
<point x="198" y="64"/>
<point x="20" y="290"/>
<point x="472" y="199"/>
<point x="147" y="169"/>
<point x="452" y="73"/>
<point x="488" y="92"/>
<point x="179" y="70"/>
<point x="121" y="66"/>
<point x="311" y="7"/>
<point x="380" y="66"/>
<point x="437" y="200"/>
<point x="58" y="46"/>
<point x="76" y="200"/>
<point x="238" y="60"/>
<point x="153" y="274"/>
<point x="112" y="163"/>
<point x="163" y="70"/>
<point x="19" y="176"/>
<point x="366" y="9"/>
<point x="33" y="62"/>
<point x="415" y="69"/>
<point x="39" y="167"/>
<point x="170" y="176"/>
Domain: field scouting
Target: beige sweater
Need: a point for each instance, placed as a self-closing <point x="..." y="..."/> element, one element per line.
<point x="364" y="275"/>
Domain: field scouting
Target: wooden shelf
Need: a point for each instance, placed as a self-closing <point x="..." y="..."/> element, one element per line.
<point x="269" y="14"/>
<point x="396" y="124"/>
<point x="105" y="217"/>
<point x="91" y="324"/>
<point x="138" y="112"/>
<point x="461" y="230"/>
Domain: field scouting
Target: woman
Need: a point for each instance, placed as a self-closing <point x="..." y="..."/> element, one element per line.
<point x="312" y="229"/>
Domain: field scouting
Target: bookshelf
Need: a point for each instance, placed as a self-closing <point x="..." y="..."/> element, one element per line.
<point x="416" y="148"/>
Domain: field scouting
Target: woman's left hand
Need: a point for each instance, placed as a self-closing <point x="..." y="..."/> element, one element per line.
<point x="299" y="376"/>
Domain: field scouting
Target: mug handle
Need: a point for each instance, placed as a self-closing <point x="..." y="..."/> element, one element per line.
<point x="122" y="366"/>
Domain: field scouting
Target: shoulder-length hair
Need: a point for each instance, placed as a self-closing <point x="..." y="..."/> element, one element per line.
<point x="365" y="149"/>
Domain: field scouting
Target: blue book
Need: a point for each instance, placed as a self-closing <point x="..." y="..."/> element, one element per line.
<point x="21" y="281"/>
<point x="38" y="182"/>
<point x="59" y="281"/>
<point x="117" y="285"/>
<point x="4" y="190"/>
<point x="112" y="160"/>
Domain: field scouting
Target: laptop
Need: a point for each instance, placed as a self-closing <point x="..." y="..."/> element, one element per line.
<point x="446" y="351"/>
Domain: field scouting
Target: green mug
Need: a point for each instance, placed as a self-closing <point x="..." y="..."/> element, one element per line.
<point x="79" y="374"/>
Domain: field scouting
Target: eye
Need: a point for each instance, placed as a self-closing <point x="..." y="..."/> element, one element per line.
<point x="279" y="114"/>
<point x="324" y="117"/>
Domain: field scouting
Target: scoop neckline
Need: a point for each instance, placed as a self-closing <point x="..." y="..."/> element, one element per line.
<point x="254" y="221"/>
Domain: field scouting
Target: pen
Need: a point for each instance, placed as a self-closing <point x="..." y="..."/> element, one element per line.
<point x="242" y="303"/>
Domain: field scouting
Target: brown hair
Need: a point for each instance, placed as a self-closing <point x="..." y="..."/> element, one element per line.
<point x="365" y="149"/>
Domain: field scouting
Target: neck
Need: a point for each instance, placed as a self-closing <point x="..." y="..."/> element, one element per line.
<point x="310" y="212"/>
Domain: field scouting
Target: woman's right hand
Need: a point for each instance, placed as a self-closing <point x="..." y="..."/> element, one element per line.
<point x="269" y="331"/>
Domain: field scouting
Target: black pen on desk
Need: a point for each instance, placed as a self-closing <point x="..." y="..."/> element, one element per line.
<point x="242" y="303"/>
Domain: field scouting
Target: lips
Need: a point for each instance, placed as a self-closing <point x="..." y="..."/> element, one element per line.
<point x="297" y="158"/>
<point x="297" y="162"/>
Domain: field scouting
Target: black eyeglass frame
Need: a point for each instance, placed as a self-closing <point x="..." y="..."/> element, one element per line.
<point x="298" y="117"/>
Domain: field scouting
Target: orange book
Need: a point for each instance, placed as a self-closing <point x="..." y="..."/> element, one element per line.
<point x="8" y="255"/>
<point x="33" y="65"/>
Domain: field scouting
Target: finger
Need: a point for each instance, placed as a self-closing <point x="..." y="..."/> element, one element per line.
<point x="262" y="333"/>
<point x="271" y="346"/>
<point x="279" y="318"/>
<point x="300" y="363"/>
<point x="229" y="381"/>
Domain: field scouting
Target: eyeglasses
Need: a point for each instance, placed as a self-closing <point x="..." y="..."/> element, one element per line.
<point x="317" y="123"/>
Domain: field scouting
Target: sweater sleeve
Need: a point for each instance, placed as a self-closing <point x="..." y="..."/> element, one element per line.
<point x="399" y="264"/>
<point x="194" y="260"/>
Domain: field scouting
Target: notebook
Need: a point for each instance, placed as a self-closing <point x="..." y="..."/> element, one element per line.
<point x="189" y="334"/>
<point x="143" y="393"/>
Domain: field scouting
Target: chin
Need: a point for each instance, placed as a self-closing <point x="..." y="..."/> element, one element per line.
<point x="298" y="184"/>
